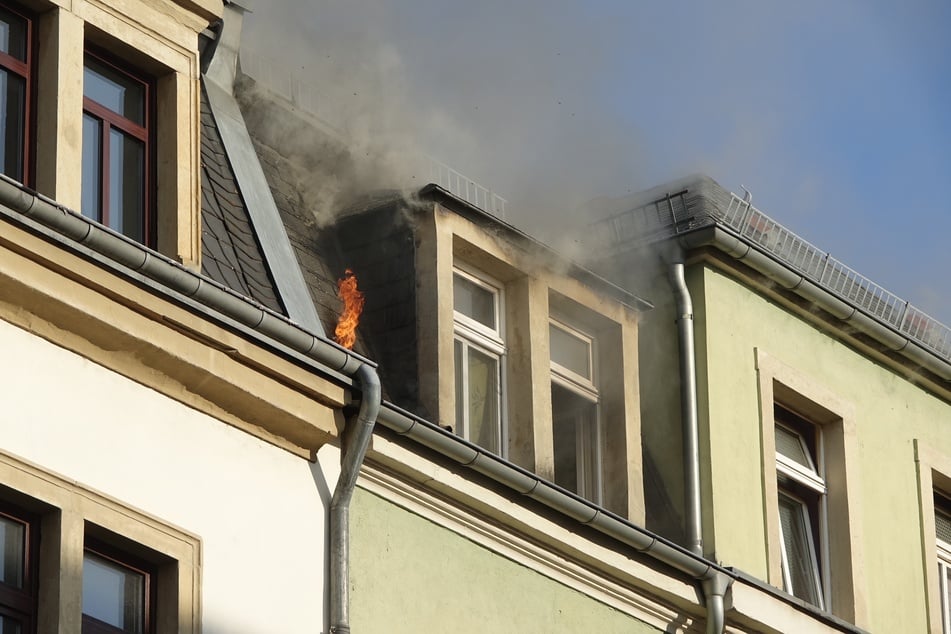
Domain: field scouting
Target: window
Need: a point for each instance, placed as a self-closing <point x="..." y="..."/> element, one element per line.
<point x="826" y="425"/>
<point x="576" y="428"/>
<point x="802" y="490"/>
<point x="942" y="524"/>
<point x="139" y="574"/>
<point x="17" y="572"/>
<point x="116" y="145"/>
<point x="479" y="351"/>
<point x="15" y="88"/>
<point x="117" y="592"/>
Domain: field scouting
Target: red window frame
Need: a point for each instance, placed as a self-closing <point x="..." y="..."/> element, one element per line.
<point x="143" y="133"/>
<point x="91" y="625"/>
<point x="24" y="69"/>
<point x="21" y="603"/>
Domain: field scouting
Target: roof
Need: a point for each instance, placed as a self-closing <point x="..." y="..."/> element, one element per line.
<point x="231" y="254"/>
<point x="698" y="212"/>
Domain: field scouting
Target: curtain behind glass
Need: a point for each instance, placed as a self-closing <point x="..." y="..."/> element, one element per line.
<point x="800" y="554"/>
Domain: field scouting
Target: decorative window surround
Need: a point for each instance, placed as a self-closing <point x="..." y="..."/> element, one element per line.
<point x="160" y="39"/>
<point x="846" y="596"/>
<point x="69" y="515"/>
<point x="934" y="476"/>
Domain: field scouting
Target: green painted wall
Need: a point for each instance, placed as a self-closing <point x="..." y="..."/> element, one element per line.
<point x="411" y="575"/>
<point x="733" y="320"/>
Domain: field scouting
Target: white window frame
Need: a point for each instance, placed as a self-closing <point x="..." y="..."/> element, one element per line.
<point x="588" y="458"/>
<point x="943" y="551"/>
<point x="811" y="477"/>
<point x="471" y="333"/>
<point x="586" y="386"/>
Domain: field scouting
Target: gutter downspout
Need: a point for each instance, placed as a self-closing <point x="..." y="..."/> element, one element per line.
<point x="713" y="587"/>
<point x="354" y="443"/>
<point x="688" y="408"/>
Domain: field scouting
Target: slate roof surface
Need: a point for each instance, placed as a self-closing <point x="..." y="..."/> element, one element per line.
<point x="230" y="251"/>
<point x="316" y="250"/>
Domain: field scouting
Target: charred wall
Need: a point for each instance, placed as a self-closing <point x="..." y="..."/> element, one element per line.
<point x="378" y="245"/>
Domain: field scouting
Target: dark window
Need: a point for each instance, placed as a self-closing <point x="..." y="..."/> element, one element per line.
<point x="118" y="592"/>
<point x="116" y="149"/>
<point x="576" y="443"/>
<point x="17" y="571"/>
<point x="15" y="88"/>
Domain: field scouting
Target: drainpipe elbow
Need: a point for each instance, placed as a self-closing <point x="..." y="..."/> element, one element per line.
<point x="715" y="587"/>
<point x="353" y="448"/>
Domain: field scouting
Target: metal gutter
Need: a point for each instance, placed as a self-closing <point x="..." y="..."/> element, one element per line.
<point x="697" y="212"/>
<point x="353" y="448"/>
<point x="725" y="240"/>
<point x="262" y="210"/>
<point x="166" y="277"/>
<point x="714" y="580"/>
<point x="208" y="298"/>
<point x="169" y="278"/>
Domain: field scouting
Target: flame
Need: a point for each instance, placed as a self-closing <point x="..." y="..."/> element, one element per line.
<point x="345" y="332"/>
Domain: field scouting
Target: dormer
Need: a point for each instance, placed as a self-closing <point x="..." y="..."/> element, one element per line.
<point x="106" y="117"/>
<point x="498" y="338"/>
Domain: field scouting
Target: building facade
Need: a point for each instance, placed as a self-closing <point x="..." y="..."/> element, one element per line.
<point x="822" y="406"/>
<point x="185" y="448"/>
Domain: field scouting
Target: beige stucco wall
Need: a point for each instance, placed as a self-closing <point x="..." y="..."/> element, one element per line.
<point x="535" y="286"/>
<point x="410" y="575"/>
<point x="258" y="510"/>
<point x="889" y="412"/>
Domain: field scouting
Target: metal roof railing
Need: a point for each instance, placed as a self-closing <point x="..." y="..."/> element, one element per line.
<point x="467" y="189"/>
<point x="672" y="216"/>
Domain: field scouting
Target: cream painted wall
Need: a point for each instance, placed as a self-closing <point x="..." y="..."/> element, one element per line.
<point x="258" y="510"/>
<point x="410" y="575"/>
<point x="890" y="412"/>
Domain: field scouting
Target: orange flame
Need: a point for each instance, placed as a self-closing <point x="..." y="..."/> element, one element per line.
<point x="345" y="332"/>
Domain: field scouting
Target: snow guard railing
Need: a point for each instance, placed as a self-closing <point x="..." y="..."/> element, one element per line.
<point x="675" y="215"/>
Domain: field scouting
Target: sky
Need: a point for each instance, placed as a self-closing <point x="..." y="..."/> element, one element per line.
<point x="835" y="115"/>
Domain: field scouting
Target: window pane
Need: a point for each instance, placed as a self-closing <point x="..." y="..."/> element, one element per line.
<point x="13" y="538"/>
<point x="800" y="553"/>
<point x="575" y="441"/>
<point x="483" y="399"/>
<point x="942" y="524"/>
<point x="569" y="351"/>
<point x="790" y="445"/>
<point x="126" y="185"/>
<point x="476" y="302"/>
<point x="12" y="35"/>
<point x="10" y="626"/>
<point x="92" y="168"/>
<point x="120" y="93"/>
<point x="113" y="594"/>
<point x="12" y="112"/>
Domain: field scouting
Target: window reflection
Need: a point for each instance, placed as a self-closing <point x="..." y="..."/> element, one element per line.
<point x="113" y="593"/>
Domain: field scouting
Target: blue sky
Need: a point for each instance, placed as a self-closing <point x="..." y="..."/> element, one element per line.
<point x="836" y="115"/>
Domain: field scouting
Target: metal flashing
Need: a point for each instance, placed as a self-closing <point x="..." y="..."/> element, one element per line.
<point x="251" y="181"/>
